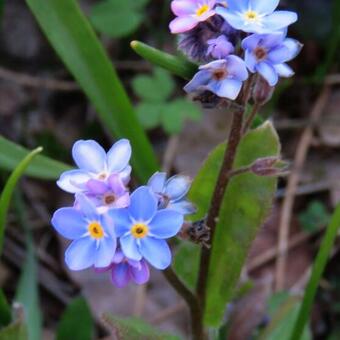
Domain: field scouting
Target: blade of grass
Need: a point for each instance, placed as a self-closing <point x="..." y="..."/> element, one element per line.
<point x="5" y="310"/>
<point x="175" y="65"/>
<point x="318" y="269"/>
<point x="7" y="192"/>
<point x="71" y="35"/>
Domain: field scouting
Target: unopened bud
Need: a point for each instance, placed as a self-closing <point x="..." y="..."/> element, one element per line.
<point x="197" y="232"/>
<point x="269" y="166"/>
<point x="262" y="91"/>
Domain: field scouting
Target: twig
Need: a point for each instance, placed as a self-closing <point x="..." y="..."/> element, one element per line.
<point x="293" y="181"/>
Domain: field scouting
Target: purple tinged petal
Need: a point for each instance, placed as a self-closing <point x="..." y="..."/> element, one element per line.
<point x="120" y="276"/>
<point x="125" y="175"/>
<point x="268" y="73"/>
<point x="293" y="46"/>
<point x="122" y="201"/>
<point x="228" y="88"/>
<point x="264" y="6"/>
<point x="140" y="275"/>
<point x="182" y="24"/>
<point x="283" y="70"/>
<point x="105" y="252"/>
<point x="117" y="186"/>
<point x="251" y="42"/>
<point x="89" y="155"/>
<point x="69" y="222"/>
<point x="118" y="156"/>
<point x="118" y="257"/>
<point x="157" y="182"/>
<point x="201" y="78"/>
<point x="271" y="40"/>
<point x="96" y="187"/>
<point x="184" y="207"/>
<point x="87" y="207"/>
<point x="278" y="55"/>
<point x="278" y="20"/>
<point x="166" y="223"/>
<point x="250" y="60"/>
<point x="236" y="67"/>
<point x="143" y="204"/>
<point x="183" y="7"/>
<point x="177" y="186"/>
<point x="156" y="252"/>
<point x="129" y="247"/>
<point x="73" y="181"/>
<point x="81" y="254"/>
<point x="205" y="16"/>
<point x="121" y="220"/>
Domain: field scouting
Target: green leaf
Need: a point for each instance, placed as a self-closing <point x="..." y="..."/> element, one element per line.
<point x="71" y="35"/>
<point x="15" y="331"/>
<point x="149" y="114"/>
<point x="314" y="217"/>
<point x="41" y="167"/>
<point x="5" y="310"/>
<point x="135" y="329"/>
<point x="117" y="18"/>
<point x="176" y="65"/>
<point x="245" y="206"/>
<point x="27" y="291"/>
<point x="155" y="88"/>
<point x="76" y="322"/>
<point x="7" y="191"/>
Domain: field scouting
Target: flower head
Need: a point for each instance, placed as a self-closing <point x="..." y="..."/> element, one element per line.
<point x="190" y="13"/>
<point x="94" y="163"/>
<point x="172" y="193"/>
<point x="267" y="54"/>
<point x="142" y="228"/>
<point x="223" y="77"/>
<point x="124" y="270"/>
<point x="220" y="47"/>
<point x="93" y="237"/>
<point x="256" y="16"/>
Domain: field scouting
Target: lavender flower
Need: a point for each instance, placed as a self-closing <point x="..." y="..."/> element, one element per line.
<point x="95" y="163"/>
<point x="93" y="238"/>
<point x="190" y="13"/>
<point x="256" y="16"/>
<point x="172" y="193"/>
<point x="267" y="54"/>
<point x="220" y="47"/>
<point x="222" y="77"/>
<point x="142" y="228"/>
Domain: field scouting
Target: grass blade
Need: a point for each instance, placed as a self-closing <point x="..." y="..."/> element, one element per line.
<point x="5" y="310"/>
<point x="71" y="35"/>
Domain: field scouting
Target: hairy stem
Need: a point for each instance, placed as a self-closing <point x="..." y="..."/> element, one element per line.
<point x="192" y="301"/>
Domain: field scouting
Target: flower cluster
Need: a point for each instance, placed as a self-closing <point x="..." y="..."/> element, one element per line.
<point x="111" y="229"/>
<point x="231" y="38"/>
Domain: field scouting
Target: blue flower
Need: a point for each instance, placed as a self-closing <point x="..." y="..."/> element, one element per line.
<point x="95" y="163"/>
<point x="172" y="193"/>
<point x="256" y="16"/>
<point x="142" y="228"/>
<point x="268" y="53"/>
<point x="220" y="47"/>
<point x="223" y="77"/>
<point x="93" y="238"/>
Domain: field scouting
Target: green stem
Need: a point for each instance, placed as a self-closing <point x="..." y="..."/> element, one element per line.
<point x="318" y="269"/>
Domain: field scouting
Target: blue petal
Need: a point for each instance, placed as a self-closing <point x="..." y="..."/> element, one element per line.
<point x="119" y="156"/>
<point x="233" y="18"/>
<point x="264" y="6"/>
<point x="183" y="207"/>
<point x="81" y="254"/>
<point x="109" y="227"/>
<point x="228" y="88"/>
<point x="125" y="174"/>
<point x="129" y="247"/>
<point x="293" y="46"/>
<point x="89" y="155"/>
<point x="272" y="40"/>
<point x="278" y="55"/>
<point x="156" y="252"/>
<point x="236" y="5"/>
<point x="268" y="73"/>
<point x="140" y="275"/>
<point x="200" y="79"/>
<point x="283" y="70"/>
<point x="236" y="67"/>
<point x="143" y="204"/>
<point x="166" y="223"/>
<point x="70" y="223"/>
<point x="251" y="42"/>
<point x="121" y="220"/>
<point x="278" y="20"/>
<point x="157" y="182"/>
<point x="73" y="181"/>
<point x="120" y="276"/>
<point x="250" y="60"/>
<point x="177" y="186"/>
<point x="105" y="252"/>
<point x="87" y="207"/>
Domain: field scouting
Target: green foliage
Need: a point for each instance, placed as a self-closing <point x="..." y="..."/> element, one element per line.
<point x="72" y="37"/>
<point x="156" y="107"/>
<point x="5" y="310"/>
<point x="15" y="331"/>
<point x="135" y="329"/>
<point x="318" y="269"/>
<point x="315" y="217"/>
<point x="117" y="18"/>
<point x="41" y="167"/>
<point x="176" y="65"/>
<point x="76" y="323"/>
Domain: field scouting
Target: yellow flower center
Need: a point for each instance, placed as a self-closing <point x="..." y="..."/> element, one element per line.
<point x="201" y="10"/>
<point x="139" y="230"/>
<point x="251" y="16"/>
<point x="96" y="230"/>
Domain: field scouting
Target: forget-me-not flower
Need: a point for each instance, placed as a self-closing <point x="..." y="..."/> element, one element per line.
<point x="268" y="53"/>
<point x="256" y="16"/>
<point x="219" y="47"/>
<point x="223" y="77"/>
<point x="190" y="13"/>
<point x="94" y="163"/>
<point x="142" y="228"/>
<point x="172" y="193"/>
<point x="93" y="238"/>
